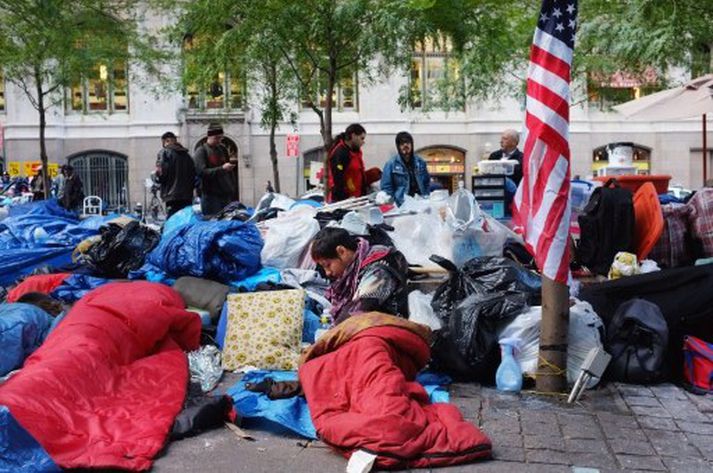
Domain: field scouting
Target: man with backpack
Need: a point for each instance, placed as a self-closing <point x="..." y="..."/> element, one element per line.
<point x="175" y="172"/>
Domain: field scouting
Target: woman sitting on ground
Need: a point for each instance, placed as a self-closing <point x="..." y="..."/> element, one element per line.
<point x="364" y="277"/>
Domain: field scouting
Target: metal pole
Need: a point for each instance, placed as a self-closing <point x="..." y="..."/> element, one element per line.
<point x="705" y="150"/>
<point x="552" y="361"/>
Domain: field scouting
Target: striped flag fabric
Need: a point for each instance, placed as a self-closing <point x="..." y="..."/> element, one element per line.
<point x="541" y="204"/>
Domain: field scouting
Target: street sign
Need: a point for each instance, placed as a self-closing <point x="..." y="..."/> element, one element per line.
<point x="293" y="145"/>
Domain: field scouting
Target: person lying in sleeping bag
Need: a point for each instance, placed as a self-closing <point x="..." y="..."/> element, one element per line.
<point x="24" y="325"/>
<point x="364" y="277"/>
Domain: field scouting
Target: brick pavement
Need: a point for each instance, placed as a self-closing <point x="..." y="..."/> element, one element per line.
<point x="615" y="428"/>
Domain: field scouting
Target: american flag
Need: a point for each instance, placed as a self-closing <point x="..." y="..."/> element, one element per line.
<point x="542" y="210"/>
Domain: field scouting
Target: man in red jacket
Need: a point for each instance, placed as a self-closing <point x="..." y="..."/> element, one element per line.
<point x="345" y="165"/>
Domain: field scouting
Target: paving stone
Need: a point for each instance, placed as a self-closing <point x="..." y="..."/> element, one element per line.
<point x="606" y="418"/>
<point x="650" y="411"/>
<point x="668" y="391"/>
<point x="506" y="440"/>
<point x="586" y="446"/>
<point x="688" y="465"/>
<point x="660" y="423"/>
<point x="539" y="428"/>
<point x="584" y="431"/>
<point x="672" y="444"/>
<point x="684" y="410"/>
<point x="593" y="460"/>
<point x="635" y="462"/>
<point x="633" y="390"/>
<point x="465" y="390"/>
<point x="502" y="426"/>
<point x="538" y="416"/>
<point x="629" y="433"/>
<point x="695" y="427"/>
<point x="703" y="443"/>
<point x="567" y="418"/>
<point x="547" y="456"/>
<point x="642" y="401"/>
<point x="512" y="454"/>
<point x="544" y="442"/>
<point x="703" y="403"/>
<point x="631" y="447"/>
<point x="502" y="467"/>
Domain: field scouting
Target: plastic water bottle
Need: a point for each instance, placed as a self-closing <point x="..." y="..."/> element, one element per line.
<point x="508" y="378"/>
<point x="323" y="326"/>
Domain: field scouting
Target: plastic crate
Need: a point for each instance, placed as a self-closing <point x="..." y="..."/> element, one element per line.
<point x="633" y="182"/>
<point x="488" y="181"/>
<point x="480" y="193"/>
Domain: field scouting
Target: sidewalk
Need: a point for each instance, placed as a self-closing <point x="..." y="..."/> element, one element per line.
<point x="617" y="428"/>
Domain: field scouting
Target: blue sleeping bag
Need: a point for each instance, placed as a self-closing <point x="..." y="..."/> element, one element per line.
<point x="224" y="251"/>
<point x="23" y="328"/>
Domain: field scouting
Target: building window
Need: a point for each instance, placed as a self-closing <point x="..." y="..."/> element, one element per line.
<point x="102" y="89"/>
<point x="344" y="96"/>
<point x="2" y="92"/>
<point x="104" y="174"/>
<point x="435" y="75"/>
<point x="223" y="92"/>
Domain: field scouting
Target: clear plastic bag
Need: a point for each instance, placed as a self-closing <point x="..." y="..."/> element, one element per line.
<point x="205" y="367"/>
<point x="585" y="332"/>
<point x="287" y="237"/>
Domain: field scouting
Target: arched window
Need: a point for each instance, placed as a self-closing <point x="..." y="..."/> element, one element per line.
<point x="446" y="165"/>
<point x="105" y="174"/>
<point x="642" y="157"/>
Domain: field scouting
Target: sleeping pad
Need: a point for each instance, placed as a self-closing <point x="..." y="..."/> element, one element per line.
<point x="359" y="381"/>
<point x="105" y="387"/>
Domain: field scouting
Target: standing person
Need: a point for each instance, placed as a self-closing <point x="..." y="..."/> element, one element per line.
<point x="405" y="173"/>
<point x="216" y="173"/>
<point x="508" y="150"/>
<point x="73" y="192"/>
<point x="175" y="172"/>
<point x="5" y="182"/>
<point x="345" y="165"/>
<point x="37" y="184"/>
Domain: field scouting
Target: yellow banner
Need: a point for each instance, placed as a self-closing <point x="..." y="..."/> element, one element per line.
<point x="54" y="170"/>
<point x="13" y="167"/>
<point x="28" y="165"/>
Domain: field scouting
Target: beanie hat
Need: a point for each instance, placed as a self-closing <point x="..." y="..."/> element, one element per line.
<point x="215" y="129"/>
<point x="167" y="135"/>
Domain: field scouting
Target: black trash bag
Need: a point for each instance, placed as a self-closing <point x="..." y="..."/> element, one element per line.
<point x="201" y="412"/>
<point x="486" y="294"/>
<point x="233" y="211"/>
<point x="121" y="249"/>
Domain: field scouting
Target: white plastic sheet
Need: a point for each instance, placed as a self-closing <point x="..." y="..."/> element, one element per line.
<point x="288" y="236"/>
<point x="420" y="310"/>
<point x="585" y="329"/>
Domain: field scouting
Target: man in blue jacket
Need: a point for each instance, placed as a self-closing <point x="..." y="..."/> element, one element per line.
<point x="405" y="173"/>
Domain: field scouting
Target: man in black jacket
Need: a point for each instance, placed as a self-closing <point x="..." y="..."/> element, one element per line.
<point x="176" y="173"/>
<point x="216" y="172"/>
<point x="508" y="150"/>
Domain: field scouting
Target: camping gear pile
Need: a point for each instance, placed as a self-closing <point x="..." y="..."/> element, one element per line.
<point x="171" y="308"/>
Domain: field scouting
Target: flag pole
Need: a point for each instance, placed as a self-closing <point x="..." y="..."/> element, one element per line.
<point x="552" y="360"/>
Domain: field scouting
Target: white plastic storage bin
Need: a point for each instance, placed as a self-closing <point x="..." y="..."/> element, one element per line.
<point x="506" y="167"/>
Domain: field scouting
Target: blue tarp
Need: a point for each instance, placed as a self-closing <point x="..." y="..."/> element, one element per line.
<point x="19" y="452"/>
<point x="223" y="251"/>
<point x="75" y="286"/>
<point x="38" y="234"/>
<point x="23" y="328"/>
<point x="293" y="413"/>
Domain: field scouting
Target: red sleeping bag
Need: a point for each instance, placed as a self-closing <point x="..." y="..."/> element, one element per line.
<point x="360" y="388"/>
<point x="105" y="387"/>
<point x="44" y="283"/>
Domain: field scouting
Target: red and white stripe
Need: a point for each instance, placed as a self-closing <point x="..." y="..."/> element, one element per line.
<point x="542" y="200"/>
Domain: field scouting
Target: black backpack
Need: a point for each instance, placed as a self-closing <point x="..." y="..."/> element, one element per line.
<point x="637" y="338"/>
<point x="607" y="227"/>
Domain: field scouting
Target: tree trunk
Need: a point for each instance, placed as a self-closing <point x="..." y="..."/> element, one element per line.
<point x="43" y="125"/>
<point x="273" y="157"/>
